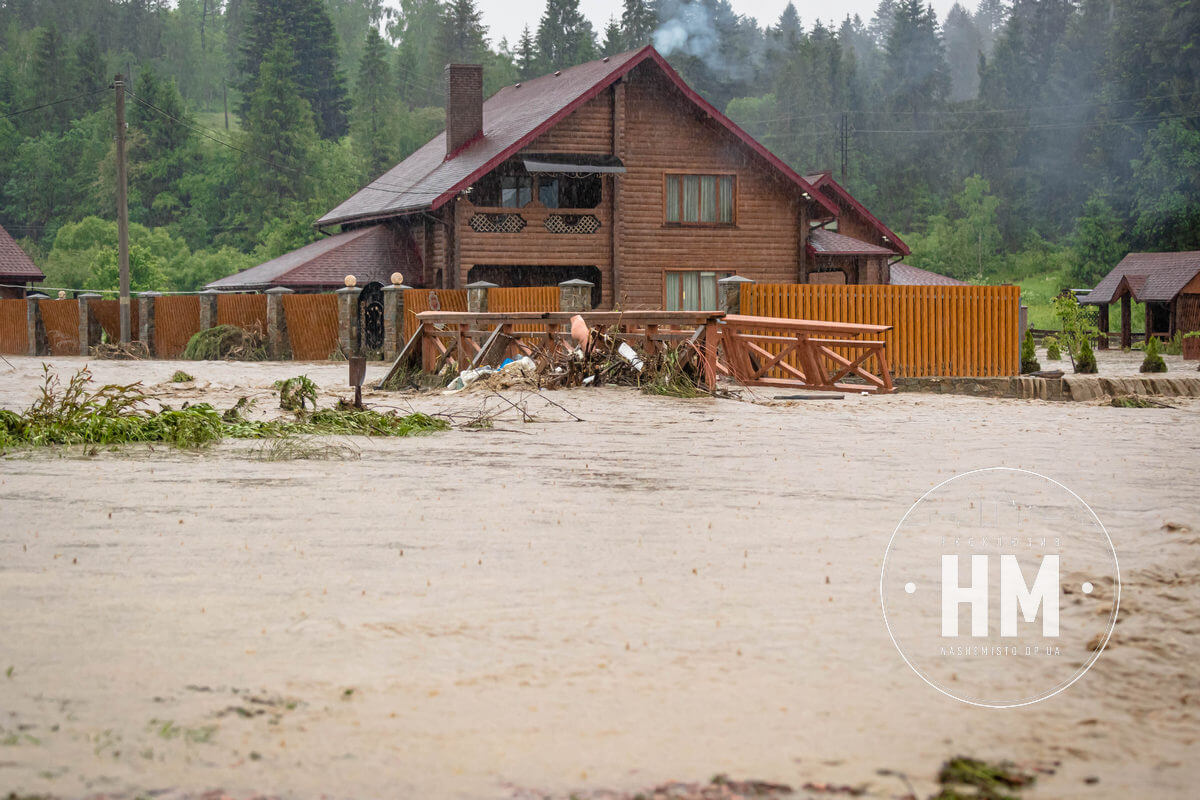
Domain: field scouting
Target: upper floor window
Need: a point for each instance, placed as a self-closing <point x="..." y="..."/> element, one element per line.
<point x="503" y="191"/>
<point x="559" y="190"/>
<point x="700" y="199"/>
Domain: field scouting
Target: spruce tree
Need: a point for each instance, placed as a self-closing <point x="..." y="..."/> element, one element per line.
<point x="464" y="38"/>
<point x="304" y="27"/>
<point x="375" y="114"/>
<point x="50" y="62"/>
<point x="160" y="148"/>
<point x="526" y="55"/>
<point x="565" y="37"/>
<point x="613" y="38"/>
<point x="639" y="20"/>
<point x="279" y="136"/>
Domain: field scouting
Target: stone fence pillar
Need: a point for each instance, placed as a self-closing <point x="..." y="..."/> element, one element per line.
<point x="89" y="326"/>
<point x="147" y="300"/>
<point x="393" y="320"/>
<point x="208" y="309"/>
<point x="278" y="344"/>
<point x="729" y="293"/>
<point x="348" y="320"/>
<point x="477" y="296"/>
<point x="575" y="295"/>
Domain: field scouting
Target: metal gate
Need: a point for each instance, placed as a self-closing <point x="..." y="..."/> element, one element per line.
<point x="370" y="317"/>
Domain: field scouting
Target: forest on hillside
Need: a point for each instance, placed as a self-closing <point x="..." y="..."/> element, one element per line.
<point x="1015" y="141"/>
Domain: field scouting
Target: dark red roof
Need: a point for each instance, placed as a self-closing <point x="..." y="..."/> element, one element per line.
<point x="369" y="254"/>
<point x="908" y="275"/>
<point x="1154" y="277"/>
<point x="823" y="242"/>
<point x="824" y="180"/>
<point x="512" y="118"/>
<point x="15" y="263"/>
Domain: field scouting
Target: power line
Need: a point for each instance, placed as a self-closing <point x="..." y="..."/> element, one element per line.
<point x="31" y="109"/>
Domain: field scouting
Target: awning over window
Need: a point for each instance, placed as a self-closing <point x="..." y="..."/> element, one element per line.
<point x="574" y="163"/>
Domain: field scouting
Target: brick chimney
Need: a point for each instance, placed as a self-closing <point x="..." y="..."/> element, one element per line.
<point x="464" y="105"/>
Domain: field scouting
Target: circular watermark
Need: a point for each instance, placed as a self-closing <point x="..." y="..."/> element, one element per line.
<point x="1000" y="587"/>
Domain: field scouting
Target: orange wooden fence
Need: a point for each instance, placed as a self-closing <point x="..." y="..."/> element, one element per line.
<point x="968" y="331"/>
<point x="14" y="338"/>
<point x="312" y="323"/>
<point x="418" y="300"/>
<point x="176" y="321"/>
<point x="60" y="318"/>
<point x="108" y="314"/>
<point x="247" y="311"/>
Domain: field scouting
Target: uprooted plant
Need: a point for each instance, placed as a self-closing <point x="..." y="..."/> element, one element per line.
<point x="295" y="393"/>
<point x="121" y="414"/>
<point x="226" y="342"/>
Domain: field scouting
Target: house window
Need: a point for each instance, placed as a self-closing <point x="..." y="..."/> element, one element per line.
<point x="691" y="289"/>
<point x="700" y="199"/>
<point x="503" y="191"/>
<point x="569" y="191"/>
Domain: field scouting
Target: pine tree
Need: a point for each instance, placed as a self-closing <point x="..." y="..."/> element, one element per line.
<point x="464" y="38"/>
<point x="279" y="136"/>
<point x="565" y="37"/>
<point x="304" y="27"/>
<point x="917" y="77"/>
<point x="639" y="20"/>
<point x="376" y="111"/>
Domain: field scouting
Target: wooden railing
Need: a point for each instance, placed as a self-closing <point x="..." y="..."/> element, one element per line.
<point x="829" y="354"/>
<point x="811" y="353"/>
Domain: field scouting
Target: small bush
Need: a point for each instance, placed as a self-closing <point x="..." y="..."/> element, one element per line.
<point x="1085" y="362"/>
<point x="1153" y="362"/>
<point x="226" y="342"/>
<point x="181" y="377"/>
<point x="1053" y="348"/>
<point x="1029" y="362"/>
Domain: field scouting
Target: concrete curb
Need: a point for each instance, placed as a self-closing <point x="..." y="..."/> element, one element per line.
<point x="1068" y="387"/>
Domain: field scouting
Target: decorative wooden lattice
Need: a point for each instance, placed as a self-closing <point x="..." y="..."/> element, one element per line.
<point x="497" y="223"/>
<point x="572" y="223"/>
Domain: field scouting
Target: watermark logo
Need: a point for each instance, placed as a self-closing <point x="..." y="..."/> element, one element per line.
<point x="1000" y="587"/>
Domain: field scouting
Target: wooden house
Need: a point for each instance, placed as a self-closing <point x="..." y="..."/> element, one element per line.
<point x="17" y="270"/>
<point x="1168" y="284"/>
<point x="616" y="172"/>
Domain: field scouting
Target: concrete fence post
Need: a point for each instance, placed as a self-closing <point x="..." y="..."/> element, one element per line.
<point x="575" y="295"/>
<point x="34" y="328"/>
<point x="477" y="296"/>
<point x="89" y="326"/>
<point x="729" y="293"/>
<point x="147" y="301"/>
<point x="278" y="343"/>
<point x="208" y="309"/>
<point x="393" y="320"/>
<point x="348" y="320"/>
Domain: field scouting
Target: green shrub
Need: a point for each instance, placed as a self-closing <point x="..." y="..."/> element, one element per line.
<point x="1029" y="362"/>
<point x="1085" y="362"/>
<point x="295" y="393"/>
<point x="1153" y="362"/>
<point x="181" y="377"/>
<point x="1053" y="348"/>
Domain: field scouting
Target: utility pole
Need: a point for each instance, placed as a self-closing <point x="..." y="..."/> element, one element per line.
<point x="122" y="209"/>
<point x="844" y="136"/>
